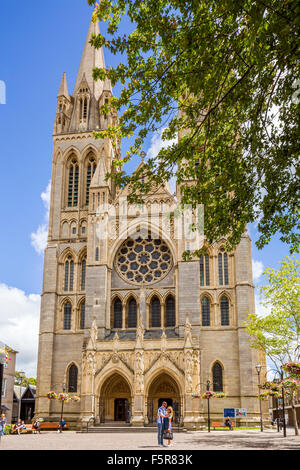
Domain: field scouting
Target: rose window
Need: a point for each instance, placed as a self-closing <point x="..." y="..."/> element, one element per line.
<point x="143" y="261"/>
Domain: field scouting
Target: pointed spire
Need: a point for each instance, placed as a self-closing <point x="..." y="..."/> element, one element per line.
<point x="63" y="88"/>
<point x="91" y="58"/>
<point x="98" y="180"/>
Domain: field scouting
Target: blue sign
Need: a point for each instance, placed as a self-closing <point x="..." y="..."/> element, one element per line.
<point x="229" y="412"/>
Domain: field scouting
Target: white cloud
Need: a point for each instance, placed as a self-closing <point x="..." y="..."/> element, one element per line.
<point x="39" y="237"/>
<point x="257" y="269"/>
<point x="46" y="198"/>
<point x="19" y="325"/>
<point x="260" y="309"/>
<point x="157" y="143"/>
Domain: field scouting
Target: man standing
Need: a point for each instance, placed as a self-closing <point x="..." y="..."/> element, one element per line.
<point x="161" y="413"/>
<point x="2" y="424"/>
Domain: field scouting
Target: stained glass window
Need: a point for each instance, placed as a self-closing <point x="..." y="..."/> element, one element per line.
<point x="155" y="313"/>
<point x="205" y="312"/>
<point x="67" y="316"/>
<point x="224" y="311"/>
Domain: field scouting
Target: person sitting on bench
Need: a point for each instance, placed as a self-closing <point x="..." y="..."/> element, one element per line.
<point x="228" y="423"/>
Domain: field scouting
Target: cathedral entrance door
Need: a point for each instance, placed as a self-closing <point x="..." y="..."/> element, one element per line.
<point x="120" y="409"/>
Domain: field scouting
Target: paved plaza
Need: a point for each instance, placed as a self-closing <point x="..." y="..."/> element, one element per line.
<point x="201" y="440"/>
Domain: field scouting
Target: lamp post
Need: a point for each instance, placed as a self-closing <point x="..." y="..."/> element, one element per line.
<point x="277" y="409"/>
<point x="283" y="405"/>
<point x="208" y="384"/>
<point x="22" y="376"/>
<point x="208" y="408"/>
<point x="258" y="370"/>
<point x="62" y="408"/>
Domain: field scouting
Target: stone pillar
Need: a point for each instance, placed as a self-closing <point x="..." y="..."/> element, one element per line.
<point x="143" y="308"/>
<point x="88" y="387"/>
<point x="138" y="405"/>
<point x="138" y="386"/>
<point x="46" y="334"/>
<point x="88" y="375"/>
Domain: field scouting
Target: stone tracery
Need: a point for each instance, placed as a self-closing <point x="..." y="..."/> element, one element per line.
<point x="143" y="261"/>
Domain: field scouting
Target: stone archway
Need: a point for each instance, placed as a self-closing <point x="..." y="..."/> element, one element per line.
<point x="163" y="388"/>
<point x="115" y="400"/>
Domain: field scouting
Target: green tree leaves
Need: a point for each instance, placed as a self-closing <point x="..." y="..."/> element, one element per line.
<point x="222" y="76"/>
<point x="278" y="333"/>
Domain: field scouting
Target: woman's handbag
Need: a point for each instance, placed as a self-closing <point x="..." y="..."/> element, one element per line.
<point x="168" y="435"/>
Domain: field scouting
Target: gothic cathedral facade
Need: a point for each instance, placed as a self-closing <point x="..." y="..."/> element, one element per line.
<point x="125" y="322"/>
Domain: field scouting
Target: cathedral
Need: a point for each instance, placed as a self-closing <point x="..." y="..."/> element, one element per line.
<point x="126" y="322"/>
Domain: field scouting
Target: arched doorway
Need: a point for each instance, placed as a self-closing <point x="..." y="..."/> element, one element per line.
<point x="115" y="400"/>
<point x="163" y="388"/>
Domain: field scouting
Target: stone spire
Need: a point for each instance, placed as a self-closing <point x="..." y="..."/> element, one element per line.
<point x="88" y="94"/>
<point x="98" y="180"/>
<point x="91" y="58"/>
<point x="63" y="88"/>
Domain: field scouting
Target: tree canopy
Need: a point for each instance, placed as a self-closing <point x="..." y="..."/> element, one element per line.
<point x="24" y="381"/>
<point x="221" y="76"/>
<point x="278" y="332"/>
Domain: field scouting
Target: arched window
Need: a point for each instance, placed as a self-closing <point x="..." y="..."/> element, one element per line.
<point x="205" y="306"/>
<point x="223" y="268"/>
<point x="82" y="315"/>
<point x="217" y="374"/>
<point x="73" y="184"/>
<point x="155" y="313"/>
<point x="132" y="313"/>
<point x="117" y="323"/>
<point x="72" y="379"/>
<point x="224" y="311"/>
<point x="83" y="273"/>
<point x="85" y="108"/>
<point x="204" y="271"/>
<point x="170" y="312"/>
<point x="67" y="315"/>
<point x="69" y="274"/>
<point x="80" y="107"/>
<point x="91" y="168"/>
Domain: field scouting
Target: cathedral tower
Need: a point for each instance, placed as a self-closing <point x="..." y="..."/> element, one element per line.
<point x="125" y="322"/>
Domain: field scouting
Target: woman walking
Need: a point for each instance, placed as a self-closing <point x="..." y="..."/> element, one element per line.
<point x="168" y="425"/>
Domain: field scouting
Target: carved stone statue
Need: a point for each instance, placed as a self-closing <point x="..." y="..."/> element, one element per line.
<point x="163" y="341"/>
<point x="93" y="335"/>
<point x="139" y="372"/>
<point x="139" y="334"/>
<point x="91" y="363"/>
<point x="188" y="371"/>
<point x="187" y="333"/>
<point x="116" y="342"/>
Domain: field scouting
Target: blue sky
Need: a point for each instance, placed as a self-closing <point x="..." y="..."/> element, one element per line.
<point x="38" y="42"/>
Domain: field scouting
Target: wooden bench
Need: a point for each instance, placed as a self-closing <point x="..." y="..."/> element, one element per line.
<point x="28" y="428"/>
<point x="53" y="425"/>
<point x="221" y="424"/>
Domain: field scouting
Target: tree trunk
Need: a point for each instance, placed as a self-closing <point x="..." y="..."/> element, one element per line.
<point x="294" y="413"/>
